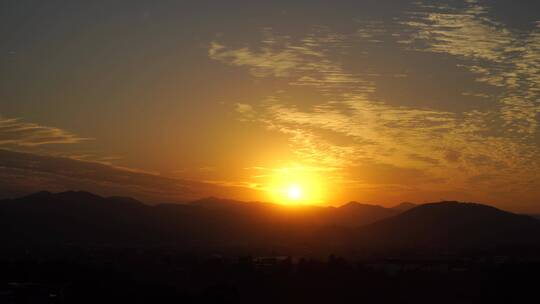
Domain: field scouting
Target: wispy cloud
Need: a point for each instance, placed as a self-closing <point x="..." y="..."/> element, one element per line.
<point x="22" y="173"/>
<point x="496" y="54"/>
<point x="440" y="147"/>
<point x="467" y="32"/>
<point x="305" y="62"/>
<point x="15" y="132"/>
<point x="246" y="111"/>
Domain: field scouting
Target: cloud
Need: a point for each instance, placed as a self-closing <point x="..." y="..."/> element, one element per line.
<point x="494" y="53"/>
<point x="23" y="173"/>
<point x="263" y="63"/>
<point x="349" y="127"/>
<point x="246" y="111"/>
<point x="483" y="178"/>
<point x="425" y="159"/>
<point x="462" y="32"/>
<point x="452" y="156"/>
<point x="305" y="61"/>
<point x="14" y="132"/>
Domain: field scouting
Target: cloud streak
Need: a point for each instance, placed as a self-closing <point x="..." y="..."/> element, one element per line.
<point x="23" y="173"/>
<point x="495" y="54"/>
<point x="305" y="62"/>
<point x="15" y="132"/>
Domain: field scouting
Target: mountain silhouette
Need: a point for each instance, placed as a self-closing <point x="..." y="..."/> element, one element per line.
<point x="354" y="214"/>
<point x="82" y="218"/>
<point x="404" y="206"/>
<point x="451" y="226"/>
<point x="211" y="224"/>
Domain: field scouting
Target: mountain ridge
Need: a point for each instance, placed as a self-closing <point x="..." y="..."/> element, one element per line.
<point x="453" y="225"/>
<point x="85" y="218"/>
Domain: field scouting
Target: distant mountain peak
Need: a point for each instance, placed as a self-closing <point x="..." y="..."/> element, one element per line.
<point x="123" y="198"/>
<point x="453" y="225"/>
<point x="357" y="205"/>
<point x="404" y="206"/>
<point x="214" y="201"/>
<point x="40" y="194"/>
<point x="456" y="205"/>
<point x="77" y="193"/>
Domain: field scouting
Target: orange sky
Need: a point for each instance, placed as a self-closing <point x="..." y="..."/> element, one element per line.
<point x="379" y="101"/>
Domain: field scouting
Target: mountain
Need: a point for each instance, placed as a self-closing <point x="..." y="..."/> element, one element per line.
<point x="536" y="216"/>
<point x="354" y="214"/>
<point x="451" y="226"/>
<point x="85" y="219"/>
<point x="45" y="217"/>
<point x="402" y="207"/>
<point x="73" y="218"/>
<point x="228" y="205"/>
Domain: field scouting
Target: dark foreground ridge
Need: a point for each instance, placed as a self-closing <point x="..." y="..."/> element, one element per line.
<point x="114" y="275"/>
<point x="233" y="227"/>
<point x="77" y="247"/>
<point x="452" y="226"/>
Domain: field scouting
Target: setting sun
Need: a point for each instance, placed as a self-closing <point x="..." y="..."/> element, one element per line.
<point x="295" y="192"/>
<point x="296" y="185"/>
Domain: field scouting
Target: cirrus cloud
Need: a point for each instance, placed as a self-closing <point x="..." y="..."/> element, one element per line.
<point x="15" y="132"/>
<point x="446" y="148"/>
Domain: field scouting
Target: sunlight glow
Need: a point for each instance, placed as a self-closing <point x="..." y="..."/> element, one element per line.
<point x="296" y="185"/>
<point x="295" y="192"/>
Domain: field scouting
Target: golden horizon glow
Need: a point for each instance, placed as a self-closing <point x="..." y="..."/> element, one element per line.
<point x="296" y="185"/>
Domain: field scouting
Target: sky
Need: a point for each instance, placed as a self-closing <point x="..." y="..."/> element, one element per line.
<point x="372" y="101"/>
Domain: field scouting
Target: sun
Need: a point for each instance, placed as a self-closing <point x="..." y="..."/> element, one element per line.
<point x="294" y="192"/>
<point x="296" y="185"/>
